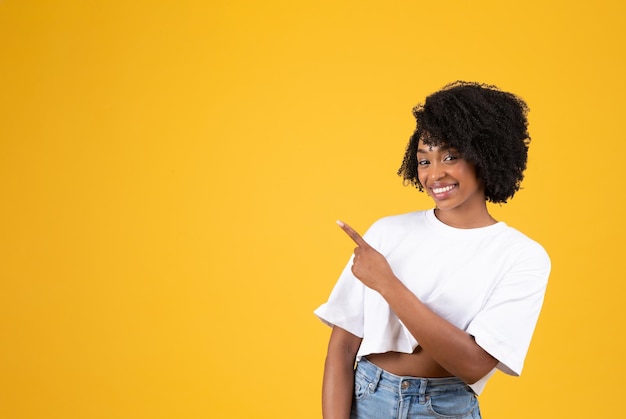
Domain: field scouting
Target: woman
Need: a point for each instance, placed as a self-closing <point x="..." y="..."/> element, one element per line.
<point x="433" y="302"/>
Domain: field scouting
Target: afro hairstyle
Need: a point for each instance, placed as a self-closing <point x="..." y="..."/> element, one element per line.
<point x="487" y="126"/>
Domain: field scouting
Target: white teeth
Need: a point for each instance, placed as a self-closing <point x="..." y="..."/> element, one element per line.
<point x="444" y="189"/>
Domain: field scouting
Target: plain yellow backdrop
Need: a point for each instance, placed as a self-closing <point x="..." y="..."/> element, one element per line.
<point x="170" y="174"/>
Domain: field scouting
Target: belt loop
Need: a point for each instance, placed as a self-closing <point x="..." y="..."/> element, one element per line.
<point x="374" y="384"/>
<point x="422" y="390"/>
<point x="371" y="387"/>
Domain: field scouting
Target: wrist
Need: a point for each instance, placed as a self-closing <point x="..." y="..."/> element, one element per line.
<point x="390" y="287"/>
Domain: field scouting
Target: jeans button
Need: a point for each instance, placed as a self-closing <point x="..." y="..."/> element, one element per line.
<point x="405" y="385"/>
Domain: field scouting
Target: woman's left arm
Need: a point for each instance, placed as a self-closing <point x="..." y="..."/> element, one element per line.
<point x="452" y="348"/>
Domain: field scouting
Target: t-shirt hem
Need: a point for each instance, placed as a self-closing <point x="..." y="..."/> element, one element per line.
<point x="342" y="323"/>
<point x="498" y="351"/>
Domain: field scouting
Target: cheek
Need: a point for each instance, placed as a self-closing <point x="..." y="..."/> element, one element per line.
<point x="468" y="173"/>
<point x="422" y="176"/>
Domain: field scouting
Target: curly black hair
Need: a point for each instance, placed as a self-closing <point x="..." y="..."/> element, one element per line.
<point x="488" y="127"/>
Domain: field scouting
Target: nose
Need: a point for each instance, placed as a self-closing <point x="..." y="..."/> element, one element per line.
<point x="437" y="172"/>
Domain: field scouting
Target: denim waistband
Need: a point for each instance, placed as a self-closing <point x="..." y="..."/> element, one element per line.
<point x="407" y="385"/>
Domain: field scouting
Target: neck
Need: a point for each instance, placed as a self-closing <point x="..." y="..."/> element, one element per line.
<point x="462" y="218"/>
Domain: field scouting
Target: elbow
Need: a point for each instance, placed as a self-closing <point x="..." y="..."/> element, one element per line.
<point x="475" y="373"/>
<point x="472" y="379"/>
<point x="475" y="369"/>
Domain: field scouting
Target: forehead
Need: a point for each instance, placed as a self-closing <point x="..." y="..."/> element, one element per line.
<point x="429" y="146"/>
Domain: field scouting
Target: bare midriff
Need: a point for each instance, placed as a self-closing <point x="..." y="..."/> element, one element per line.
<point x="417" y="364"/>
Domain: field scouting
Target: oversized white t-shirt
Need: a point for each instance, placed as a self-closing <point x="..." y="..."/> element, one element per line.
<point x="489" y="282"/>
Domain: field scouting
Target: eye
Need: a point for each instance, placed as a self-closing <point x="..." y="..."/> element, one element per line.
<point x="422" y="162"/>
<point x="451" y="157"/>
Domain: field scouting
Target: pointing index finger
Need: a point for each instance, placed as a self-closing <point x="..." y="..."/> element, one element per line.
<point x="356" y="237"/>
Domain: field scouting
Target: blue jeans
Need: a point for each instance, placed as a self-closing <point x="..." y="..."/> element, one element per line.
<point x="382" y="395"/>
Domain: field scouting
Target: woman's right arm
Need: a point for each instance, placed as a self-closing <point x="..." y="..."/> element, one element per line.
<point x="338" y="385"/>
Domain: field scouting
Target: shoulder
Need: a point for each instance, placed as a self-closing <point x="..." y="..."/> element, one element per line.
<point x="393" y="227"/>
<point x="400" y="221"/>
<point x="524" y="249"/>
<point x="518" y="239"/>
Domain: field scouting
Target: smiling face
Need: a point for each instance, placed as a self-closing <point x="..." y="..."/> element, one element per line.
<point x="451" y="182"/>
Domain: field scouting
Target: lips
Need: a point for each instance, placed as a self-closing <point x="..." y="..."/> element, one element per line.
<point x="443" y="189"/>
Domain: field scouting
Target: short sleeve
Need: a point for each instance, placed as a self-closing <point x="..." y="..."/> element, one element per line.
<point x="505" y="325"/>
<point x="345" y="304"/>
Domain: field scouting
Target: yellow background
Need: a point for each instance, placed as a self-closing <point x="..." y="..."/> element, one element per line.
<point x="170" y="174"/>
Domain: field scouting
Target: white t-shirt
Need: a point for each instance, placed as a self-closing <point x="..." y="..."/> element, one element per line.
<point x="489" y="282"/>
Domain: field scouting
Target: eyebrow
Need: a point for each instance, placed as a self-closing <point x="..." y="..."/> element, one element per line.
<point x="443" y="148"/>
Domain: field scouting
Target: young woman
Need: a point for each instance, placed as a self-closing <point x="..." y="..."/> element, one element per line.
<point x="433" y="302"/>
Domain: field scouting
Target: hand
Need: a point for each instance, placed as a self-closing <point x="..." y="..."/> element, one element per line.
<point x="368" y="265"/>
